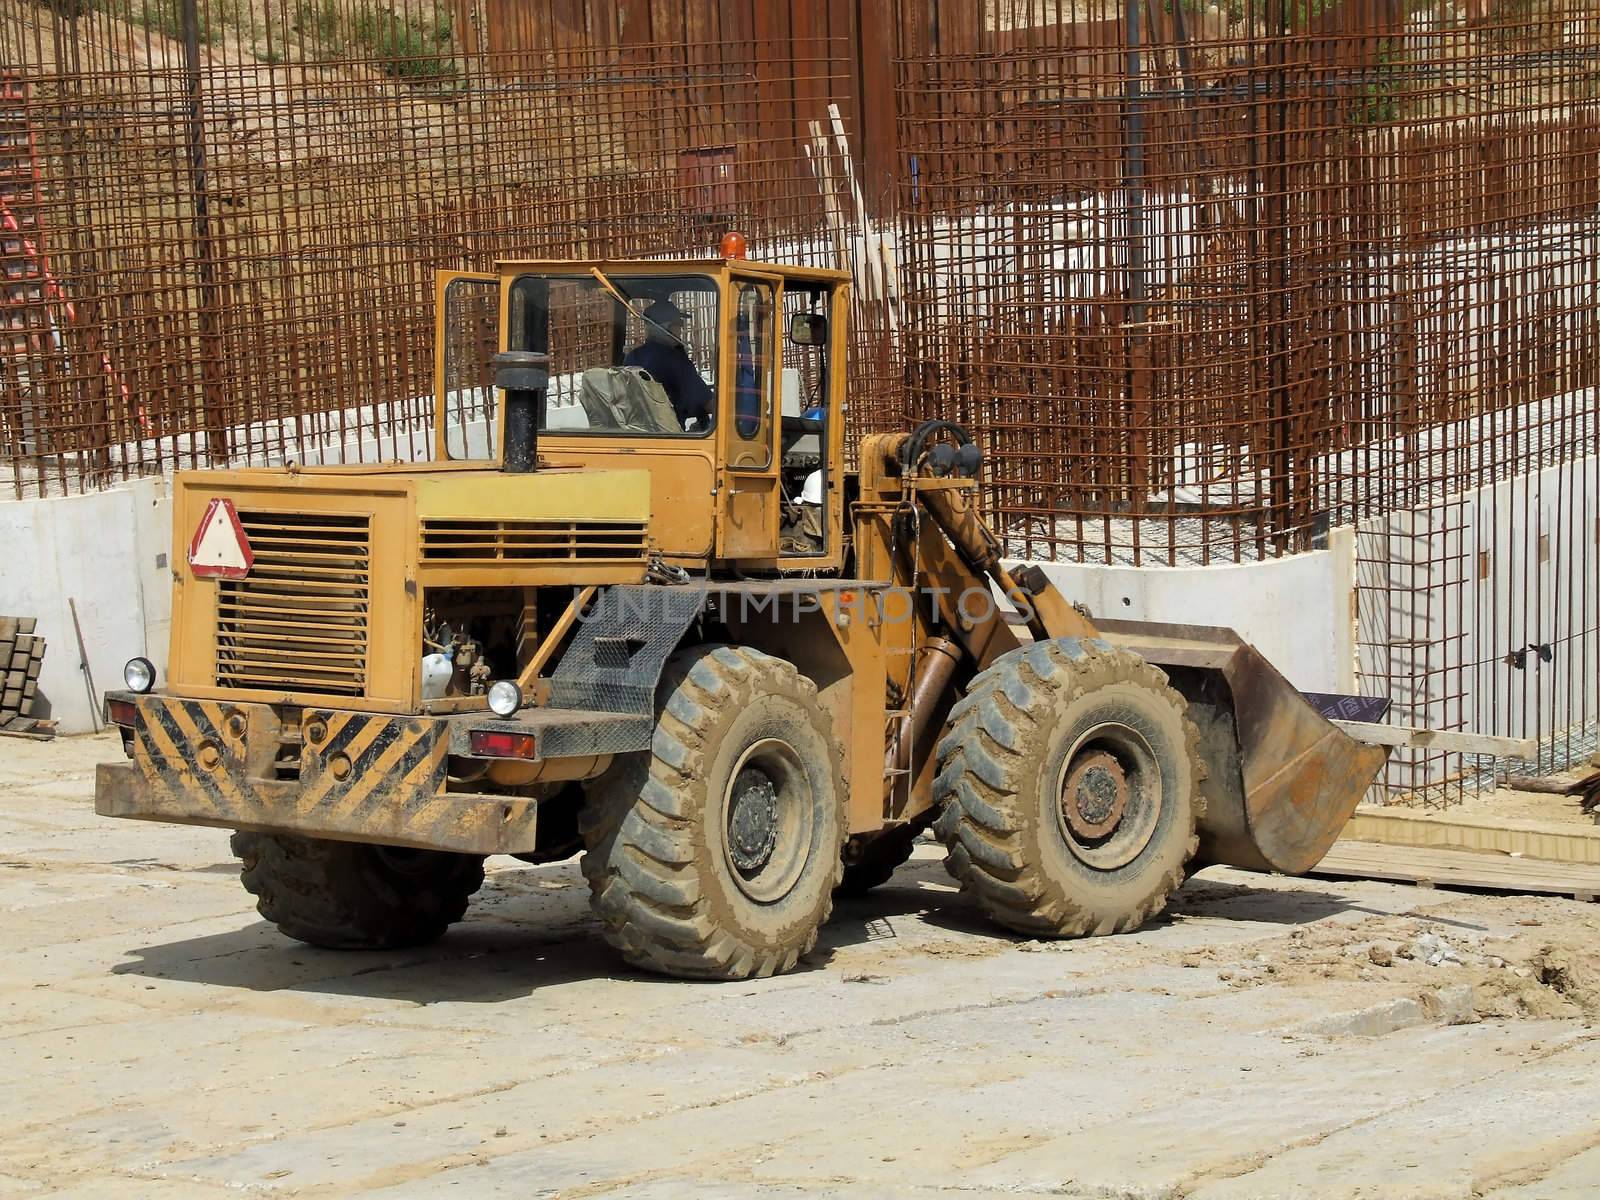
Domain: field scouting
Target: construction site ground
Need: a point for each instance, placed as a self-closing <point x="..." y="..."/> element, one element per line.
<point x="1269" y="1038"/>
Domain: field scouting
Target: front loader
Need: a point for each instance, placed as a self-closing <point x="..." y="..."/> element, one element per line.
<point x="637" y="605"/>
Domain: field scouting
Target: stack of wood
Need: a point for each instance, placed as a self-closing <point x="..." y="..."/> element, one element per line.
<point x="21" y="656"/>
<point x="1583" y="783"/>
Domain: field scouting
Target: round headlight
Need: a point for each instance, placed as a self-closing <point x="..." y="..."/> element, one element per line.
<point x="505" y="698"/>
<point x="139" y="674"/>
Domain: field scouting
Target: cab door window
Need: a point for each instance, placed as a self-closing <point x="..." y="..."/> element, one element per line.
<point x="804" y="389"/>
<point x="750" y="443"/>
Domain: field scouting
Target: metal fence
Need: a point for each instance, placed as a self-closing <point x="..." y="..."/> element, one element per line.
<point x="221" y="217"/>
<point x="1211" y="280"/>
<point x="1205" y="280"/>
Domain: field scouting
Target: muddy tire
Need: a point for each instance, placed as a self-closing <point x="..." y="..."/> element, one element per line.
<point x="352" y="896"/>
<point x="714" y="855"/>
<point x="1070" y="788"/>
<point x="879" y="860"/>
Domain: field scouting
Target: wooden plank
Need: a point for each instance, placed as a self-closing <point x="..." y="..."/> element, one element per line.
<point x="771" y="41"/>
<point x="702" y="55"/>
<point x="873" y="77"/>
<point x="36" y="728"/>
<point x="1457" y="868"/>
<point x="1452" y="740"/>
<point x="1483" y="834"/>
<point x="466" y="27"/>
<point x="820" y="155"/>
<point x="1568" y="783"/>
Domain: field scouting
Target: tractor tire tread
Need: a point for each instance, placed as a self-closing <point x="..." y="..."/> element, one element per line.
<point x="992" y="739"/>
<point x="343" y="896"/>
<point x="639" y="825"/>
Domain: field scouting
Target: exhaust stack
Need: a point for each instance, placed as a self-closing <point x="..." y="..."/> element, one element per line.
<point x="523" y="377"/>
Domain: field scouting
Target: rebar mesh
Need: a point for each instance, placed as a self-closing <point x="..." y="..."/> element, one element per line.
<point x="236" y="217"/>
<point x="1206" y="281"/>
<point x="1209" y="281"/>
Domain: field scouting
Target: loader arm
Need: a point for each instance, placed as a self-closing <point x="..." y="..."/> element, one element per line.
<point x="1281" y="781"/>
<point x="1046" y="611"/>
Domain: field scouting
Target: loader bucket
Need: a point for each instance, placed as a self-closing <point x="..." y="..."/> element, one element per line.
<point x="1281" y="781"/>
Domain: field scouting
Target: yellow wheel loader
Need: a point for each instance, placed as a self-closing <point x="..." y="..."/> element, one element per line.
<point x="638" y="605"/>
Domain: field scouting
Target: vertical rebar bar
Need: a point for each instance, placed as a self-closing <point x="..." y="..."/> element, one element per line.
<point x="209" y="313"/>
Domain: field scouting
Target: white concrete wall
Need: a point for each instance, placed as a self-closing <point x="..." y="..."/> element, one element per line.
<point x="1449" y="592"/>
<point x="107" y="553"/>
<point x="1298" y="611"/>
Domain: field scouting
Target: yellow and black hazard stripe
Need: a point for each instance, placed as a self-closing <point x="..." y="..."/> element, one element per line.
<point x="183" y="750"/>
<point x="362" y="760"/>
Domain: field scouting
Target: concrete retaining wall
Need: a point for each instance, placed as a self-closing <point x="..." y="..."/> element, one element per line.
<point x="1479" y="612"/>
<point x="106" y="553"/>
<point x="109" y="552"/>
<point x="1297" y="611"/>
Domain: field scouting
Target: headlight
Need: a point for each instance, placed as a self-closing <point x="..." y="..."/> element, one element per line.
<point x="139" y="674"/>
<point x="505" y="698"/>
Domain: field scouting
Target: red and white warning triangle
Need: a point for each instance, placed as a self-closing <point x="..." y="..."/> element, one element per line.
<point x="219" y="549"/>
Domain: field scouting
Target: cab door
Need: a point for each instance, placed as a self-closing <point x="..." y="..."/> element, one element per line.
<point x="748" y="499"/>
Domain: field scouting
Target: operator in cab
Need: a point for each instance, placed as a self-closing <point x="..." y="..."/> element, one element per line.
<point x="665" y="356"/>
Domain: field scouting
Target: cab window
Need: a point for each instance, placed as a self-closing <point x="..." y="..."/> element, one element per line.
<point x="471" y="333"/>
<point x="629" y="354"/>
<point x="752" y="384"/>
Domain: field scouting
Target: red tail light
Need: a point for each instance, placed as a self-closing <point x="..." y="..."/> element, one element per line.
<point x="490" y="743"/>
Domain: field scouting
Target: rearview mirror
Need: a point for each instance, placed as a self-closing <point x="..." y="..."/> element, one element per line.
<point x="808" y="329"/>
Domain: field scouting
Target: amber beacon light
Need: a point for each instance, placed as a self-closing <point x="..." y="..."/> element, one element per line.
<point x="733" y="245"/>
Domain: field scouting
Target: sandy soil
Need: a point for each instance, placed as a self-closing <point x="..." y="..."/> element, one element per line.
<point x="1269" y="1038"/>
<point x="1565" y="812"/>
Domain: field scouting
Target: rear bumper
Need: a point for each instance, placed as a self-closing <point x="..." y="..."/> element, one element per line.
<point x="353" y="776"/>
<point x="470" y="824"/>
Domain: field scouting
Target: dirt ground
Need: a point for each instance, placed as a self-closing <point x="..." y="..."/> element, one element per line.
<point x="1271" y="1038"/>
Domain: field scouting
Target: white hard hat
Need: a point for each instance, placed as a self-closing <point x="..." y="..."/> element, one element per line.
<point x="811" y="490"/>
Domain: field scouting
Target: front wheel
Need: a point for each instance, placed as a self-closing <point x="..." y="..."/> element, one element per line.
<point x="715" y="854"/>
<point x="1069" y="780"/>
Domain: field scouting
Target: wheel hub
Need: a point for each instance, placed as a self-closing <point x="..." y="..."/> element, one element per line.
<point x="752" y="820"/>
<point x="1095" y="795"/>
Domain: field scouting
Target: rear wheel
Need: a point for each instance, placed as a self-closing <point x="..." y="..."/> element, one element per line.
<point x="354" y="896"/>
<point x="715" y="854"/>
<point x="1069" y="781"/>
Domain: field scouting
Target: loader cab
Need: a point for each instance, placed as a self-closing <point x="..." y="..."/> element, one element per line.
<point x="721" y="378"/>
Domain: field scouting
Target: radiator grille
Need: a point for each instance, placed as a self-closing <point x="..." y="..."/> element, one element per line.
<point x="476" y="542"/>
<point x="298" y="621"/>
